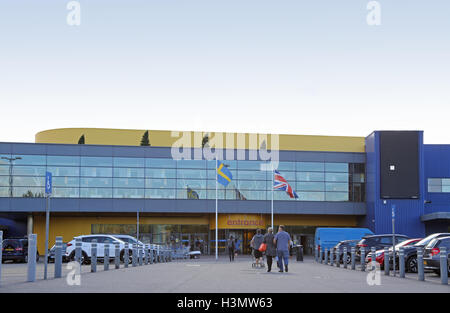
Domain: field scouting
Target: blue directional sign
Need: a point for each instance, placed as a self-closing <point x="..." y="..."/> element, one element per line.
<point x="48" y="183"/>
<point x="393" y="211"/>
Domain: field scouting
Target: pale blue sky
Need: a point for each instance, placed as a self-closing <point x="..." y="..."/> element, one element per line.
<point x="278" y="66"/>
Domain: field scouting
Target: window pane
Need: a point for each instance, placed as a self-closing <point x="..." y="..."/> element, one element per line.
<point x="28" y="192"/>
<point x="201" y="164"/>
<point x="445" y="181"/>
<point x="184" y="194"/>
<point x="336" y="187"/>
<point x="63" y="160"/>
<point x="160" y="183"/>
<point x="286" y="166"/>
<point x="336" y="196"/>
<point x="64" y="171"/>
<point x="435" y="181"/>
<point x="129" y="182"/>
<point x="129" y="193"/>
<point x="128" y="162"/>
<point x="433" y="188"/>
<point x="65" y="192"/>
<point x="4" y="170"/>
<point x="311" y="196"/>
<point x="30" y="160"/>
<point x="191" y="173"/>
<point x="96" y="182"/>
<point x="251" y="175"/>
<point x="66" y="181"/>
<point x="96" y="192"/>
<point x="340" y="177"/>
<point x="96" y="171"/>
<point x="445" y="188"/>
<point x="253" y="184"/>
<point x="160" y="193"/>
<point x="3" y="159"/>
<point x="4" y="191"/>
<point x="28" y="181"/>
<point x="248" y="165"/>
<point x="160" y="173"/>
<point x="306" y="186"/>
<point x="310" y="166"/>
<point x="4" y="181"/>
<point x="192" y="183"/>
<point x="128" y="172"/>
<point x="310" y="176"/>
<point x="336" y="167"/>
<point x="29" y="170"/>
<point x="167" y="163"/>
<point x="96" y="161"/>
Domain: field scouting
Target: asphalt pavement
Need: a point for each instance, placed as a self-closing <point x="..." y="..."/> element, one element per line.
<point x="206" y="275"/>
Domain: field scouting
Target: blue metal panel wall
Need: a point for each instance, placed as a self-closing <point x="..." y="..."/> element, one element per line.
<point x="408" y="212"/>
<point x="437" y="165"/>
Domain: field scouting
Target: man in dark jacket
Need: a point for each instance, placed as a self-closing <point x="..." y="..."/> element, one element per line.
<point x="271" y="250"/>
<point x="231" y="246"/>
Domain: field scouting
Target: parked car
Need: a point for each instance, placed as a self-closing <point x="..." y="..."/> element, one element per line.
<point x="379" y="254"/>
<point x="411" y="251"/>
<point x="348" y="244"/>
<point x="51" y="253"/>
<point x="329" y="237"/>
<point x="86" y="242"/>
<point x="432" y="254"/>
<point x="16" y="250"/>
<point x="379" y="242"/>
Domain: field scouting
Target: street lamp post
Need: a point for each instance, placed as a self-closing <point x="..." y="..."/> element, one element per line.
<point x="11" y="160"/>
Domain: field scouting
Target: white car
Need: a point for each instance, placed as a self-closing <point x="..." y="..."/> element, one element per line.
<point x="86" y="244"/>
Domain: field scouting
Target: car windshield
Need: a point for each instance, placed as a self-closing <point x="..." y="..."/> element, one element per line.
<point x="433" y="242"/>
<point x="425" y="241"/>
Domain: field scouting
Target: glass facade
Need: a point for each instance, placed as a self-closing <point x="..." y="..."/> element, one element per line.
<point x="162" y="178"/>
<point x="441" y="185"/>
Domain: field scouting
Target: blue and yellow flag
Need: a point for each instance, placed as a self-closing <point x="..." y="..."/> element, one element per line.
<point x="223" y="174"/>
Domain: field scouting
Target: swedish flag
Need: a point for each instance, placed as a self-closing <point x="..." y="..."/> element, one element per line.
<point x="223" y="174"/>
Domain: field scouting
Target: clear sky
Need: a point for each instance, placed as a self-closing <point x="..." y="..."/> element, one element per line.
<point x="273" y="66"/>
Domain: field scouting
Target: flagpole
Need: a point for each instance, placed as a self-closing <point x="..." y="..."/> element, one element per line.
<point x="217" y="233"/>
<point x="272" y="197"/>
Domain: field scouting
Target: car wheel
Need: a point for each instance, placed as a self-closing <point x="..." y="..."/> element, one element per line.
<point x="411" y="264"/>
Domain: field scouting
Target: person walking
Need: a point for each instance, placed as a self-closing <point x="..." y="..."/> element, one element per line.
<point x="282" y="240"/>
<point x="271" y="251"/>
<point x="257" y="240"/>
<point x="231" y="246"/>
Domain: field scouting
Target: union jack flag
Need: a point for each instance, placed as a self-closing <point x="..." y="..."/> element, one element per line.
<point x="279" y="183"/>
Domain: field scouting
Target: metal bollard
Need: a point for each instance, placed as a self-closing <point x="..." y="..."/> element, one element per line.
<point x="1" y="255"/>
<point x="387" y="266"/>
<point x="140" y="252"/>
<point x="151" y="253"/>
<point x="331" y="257"/>
<point x="374" y="258"/>
<point x="31" y="271"/>
<point x="126" y="255"/>
<point x="106" y="257"/>
<point x="321" y="255"/>
<point x="420" y="269"/>
<point x="363" y="259"/>
<point x="78" y="250"/>
<point x="117" y="255"/>
<point x="444" y="266"/>
<point x="326" y="256"/>
<point x="58" y="257"/>
<point x="401" y="261"/>
<point x="146" y="254"/>
<point x="94" y="256"/>
<point x="344" y="257"/>
<point x="134" y="263"/>
<point x="353" y="256"/>
<point x="338" y="257"/>
<point x="316" y="253"/>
